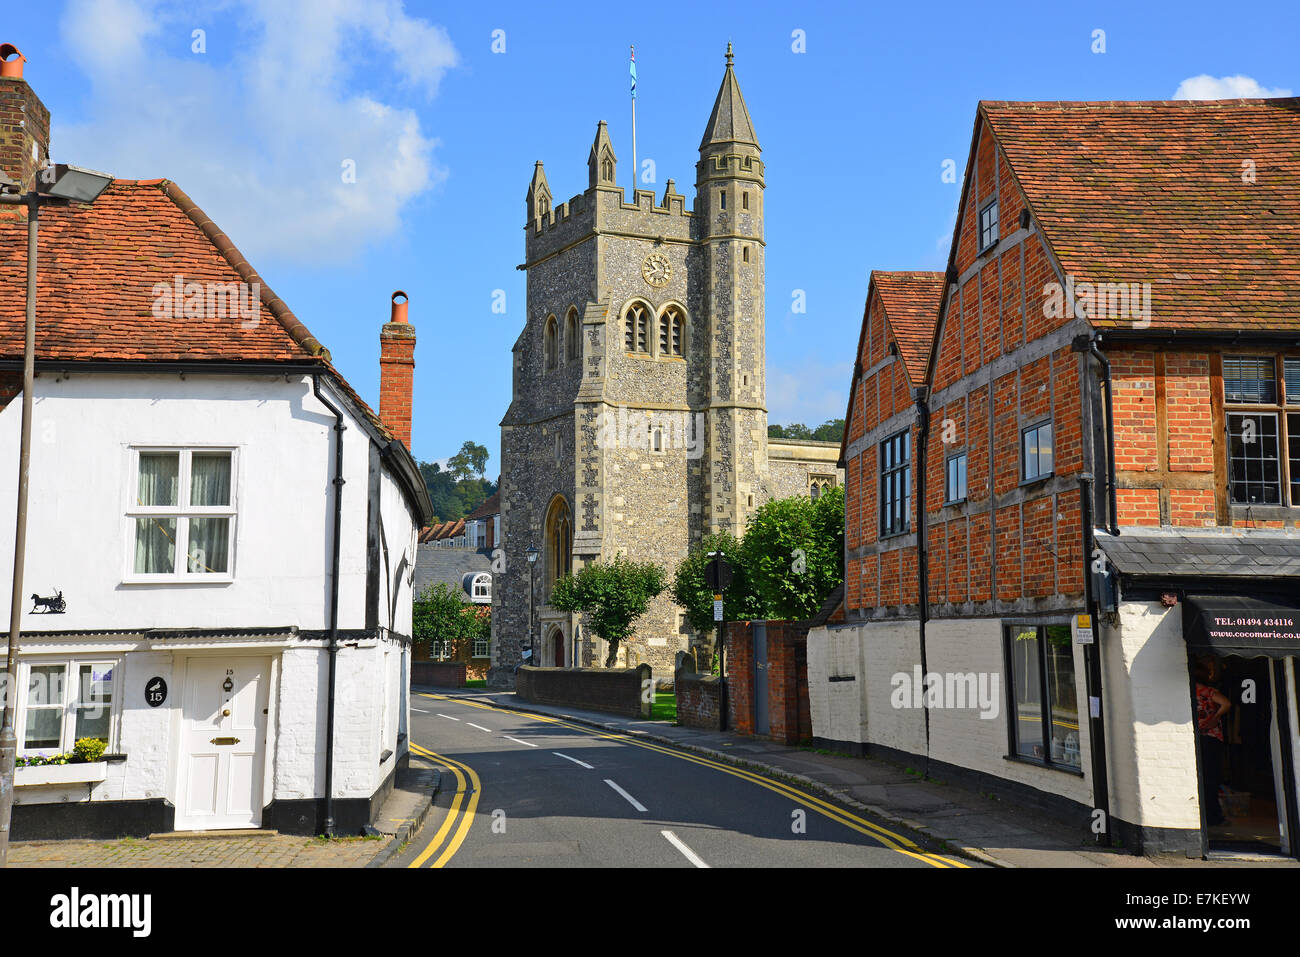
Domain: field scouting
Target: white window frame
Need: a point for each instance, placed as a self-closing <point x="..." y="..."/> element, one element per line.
<point x="180" y="573"/>
<point x="482" y="647"/>
<point x="68" y="729"/>
<point x="481" y="581"/>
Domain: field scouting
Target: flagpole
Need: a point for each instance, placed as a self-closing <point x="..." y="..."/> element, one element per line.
<point x="634" y="166"/>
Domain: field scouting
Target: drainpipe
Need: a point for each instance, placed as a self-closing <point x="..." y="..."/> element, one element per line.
<point x="1088" y="343"/>
<point x="339" y="429"/>
<point x="922" y="550"/>
<point x="1092" y="654"/>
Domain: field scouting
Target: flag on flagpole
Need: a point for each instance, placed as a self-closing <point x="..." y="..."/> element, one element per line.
<point x="634" y="73"/>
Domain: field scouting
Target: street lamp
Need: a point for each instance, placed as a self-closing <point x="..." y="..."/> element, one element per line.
<point x="531" y="552"/>
<point x="55" y="186"/>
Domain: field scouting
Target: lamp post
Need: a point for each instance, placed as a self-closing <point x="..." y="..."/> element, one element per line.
<point x="55" y="186"/>
<point x="531" y="552"/>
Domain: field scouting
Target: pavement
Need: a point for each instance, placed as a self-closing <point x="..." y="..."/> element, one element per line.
<point x="401" y="815"/>
<point x="973" y="825"/>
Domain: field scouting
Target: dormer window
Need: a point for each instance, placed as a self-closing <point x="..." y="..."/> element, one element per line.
<point x="989" y="224"/>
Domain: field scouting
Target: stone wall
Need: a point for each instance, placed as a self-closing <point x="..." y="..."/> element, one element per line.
<point x="699" y="700"/>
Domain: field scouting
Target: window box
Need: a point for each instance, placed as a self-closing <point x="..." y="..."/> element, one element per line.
<point x="56" y="774"/>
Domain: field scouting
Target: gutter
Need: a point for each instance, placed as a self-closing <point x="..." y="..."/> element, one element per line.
<point x="339" y="429"/>
<point x="922" y="548"/>
<point x="1088" y="343"/>
<point x="1096" y="726"/>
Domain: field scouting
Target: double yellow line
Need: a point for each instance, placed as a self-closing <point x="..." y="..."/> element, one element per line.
<point x="833" y="812"/>
<point x="454" y="814"/>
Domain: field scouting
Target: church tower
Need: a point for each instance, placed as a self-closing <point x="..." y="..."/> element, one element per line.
<point x="729" y="188"/>
<point x="638" y="421"/>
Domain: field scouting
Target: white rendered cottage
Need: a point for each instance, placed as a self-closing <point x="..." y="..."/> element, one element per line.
<point x="183" y="501"/>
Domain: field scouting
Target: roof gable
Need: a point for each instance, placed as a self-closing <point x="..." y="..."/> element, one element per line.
<point x="1200" y="199"/>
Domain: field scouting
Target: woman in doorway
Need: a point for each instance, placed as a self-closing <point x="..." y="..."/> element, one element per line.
<point x="1211" y="705"/>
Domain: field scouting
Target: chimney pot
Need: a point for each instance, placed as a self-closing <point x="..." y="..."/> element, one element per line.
<point x="399" y="308"/>
<point x="11" y="61"/>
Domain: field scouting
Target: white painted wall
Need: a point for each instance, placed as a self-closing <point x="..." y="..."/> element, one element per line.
<point x="81" y="479"/>
<point x="1151" y="738"/>
<point x="78" y="538"/>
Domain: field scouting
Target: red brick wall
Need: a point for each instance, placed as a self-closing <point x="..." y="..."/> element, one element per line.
<point x="24" y="120"/>
<point x="789" y="717"/>
<point x="397" y="378"/>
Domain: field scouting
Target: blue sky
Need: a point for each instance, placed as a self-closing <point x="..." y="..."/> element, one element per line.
<point x="260" y="125"/>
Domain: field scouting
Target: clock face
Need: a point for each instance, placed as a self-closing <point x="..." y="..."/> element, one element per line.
<point x="656" y="270"/>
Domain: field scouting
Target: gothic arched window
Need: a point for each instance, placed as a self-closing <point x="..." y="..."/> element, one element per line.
<point x="559" y="544"/>
<point x="607" y="170"/>
<point x="636" y="328"/>
<point x="548" y="343"/>
<point x="672" y="329"/>
<point x="572" y="337"/>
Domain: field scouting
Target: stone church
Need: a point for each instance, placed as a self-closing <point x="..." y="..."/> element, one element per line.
<point x="638" y="422"/>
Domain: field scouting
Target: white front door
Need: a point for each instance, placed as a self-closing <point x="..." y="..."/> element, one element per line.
<point x="222" y="743"/>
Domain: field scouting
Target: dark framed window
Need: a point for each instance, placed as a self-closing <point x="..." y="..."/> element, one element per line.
<point x="955" y="483"/>
<point x="988" y="224"/>
<point x="1044" y="721"/>
<point x="895" y="483"/>
<point x="722" y="199"/>
<point x="1036" y="452"/>
<point x="1263" y="436"/>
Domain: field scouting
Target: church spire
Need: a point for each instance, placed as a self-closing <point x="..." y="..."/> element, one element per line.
<point x="729" y="122"/>
<point x="601" y="161"/>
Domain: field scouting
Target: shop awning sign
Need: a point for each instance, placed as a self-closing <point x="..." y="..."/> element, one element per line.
<point x="1240" y="625"/>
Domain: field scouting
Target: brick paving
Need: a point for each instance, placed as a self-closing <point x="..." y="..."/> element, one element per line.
<point x="280" y="850"/>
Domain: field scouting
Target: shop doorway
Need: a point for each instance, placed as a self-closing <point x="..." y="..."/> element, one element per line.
<point x="1252" y="766"/>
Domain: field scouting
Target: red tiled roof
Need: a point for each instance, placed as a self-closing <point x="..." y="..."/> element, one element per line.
<point x="98" y="268"/>
<point x="489" y="507"/>
<point x="1161" y="192"/>
<point x="911" y="301"/>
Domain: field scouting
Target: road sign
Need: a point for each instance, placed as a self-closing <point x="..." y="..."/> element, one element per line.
<point x="717" y="573"/>
<point x="1083" y="630"/>
<point x="717" y="608"/>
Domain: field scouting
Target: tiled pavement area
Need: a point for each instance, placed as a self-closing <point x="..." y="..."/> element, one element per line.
<point x="257" y="850"/>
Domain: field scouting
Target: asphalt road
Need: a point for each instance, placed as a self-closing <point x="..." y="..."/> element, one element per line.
<point x="524" y="790"/>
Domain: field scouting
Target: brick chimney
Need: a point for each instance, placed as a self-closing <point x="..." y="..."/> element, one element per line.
<point x="397" y="371"/>
<point x="24" y="122"/>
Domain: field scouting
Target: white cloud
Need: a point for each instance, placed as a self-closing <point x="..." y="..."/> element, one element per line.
<point x="1206" y="87"/>
<point x="809" y="391"/>
<point x="260" y="137"/>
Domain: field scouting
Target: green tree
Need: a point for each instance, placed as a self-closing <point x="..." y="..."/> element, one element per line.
<point x="442" y="614"/>
<point x="796" y="431"/>
<point x="471" y="460"/>
<point x="832" y="430"/>
<point x="692" y="592"/>
<point x="775" y="432"/>
<point x="793" y="553"/>
<point x="612" y="594"/>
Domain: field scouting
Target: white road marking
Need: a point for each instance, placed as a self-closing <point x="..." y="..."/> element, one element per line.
<point x="690" y="855"/>
<point x="630" y="799"/>
<point x="447" y="716"/>
<point x="479" y="726"/>
<point x="421" y="710"/>
<point x="574" y="760"/>
<point x="517" y="741"/>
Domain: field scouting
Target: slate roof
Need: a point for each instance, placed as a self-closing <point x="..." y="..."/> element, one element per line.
<point x="434" y="563"/>
<point x="729" y="122"/>
<point x="1154" y="192"/>
<point x="1255" y="553"/>
<point x="911" y="302"/>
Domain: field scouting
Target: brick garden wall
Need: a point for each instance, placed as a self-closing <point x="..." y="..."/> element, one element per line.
<point x="699" y="700"/>
<point x="789" y="716"/>
<point x="439" y="674"/>
<point x="612" y="690"/>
